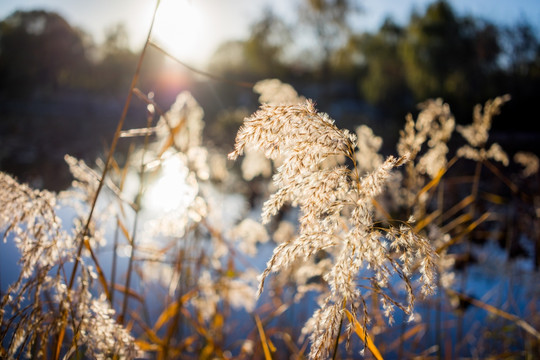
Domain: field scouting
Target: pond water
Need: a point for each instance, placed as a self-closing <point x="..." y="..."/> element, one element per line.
<point x="444" y="327"/>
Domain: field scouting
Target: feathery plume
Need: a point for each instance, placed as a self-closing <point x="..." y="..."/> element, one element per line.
<point x="477" y="133"/>
<point x="336" y="208"/>
<point x="529" y="161"/>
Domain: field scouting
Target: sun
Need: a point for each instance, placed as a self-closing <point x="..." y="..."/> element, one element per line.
<point x="179" y="28"/>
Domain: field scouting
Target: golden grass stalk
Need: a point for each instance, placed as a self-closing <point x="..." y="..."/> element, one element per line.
<point x="364" y="336"/>
<point x="268" y="347"/>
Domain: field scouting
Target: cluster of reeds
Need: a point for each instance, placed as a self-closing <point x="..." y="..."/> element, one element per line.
<point x="357" y="236"/>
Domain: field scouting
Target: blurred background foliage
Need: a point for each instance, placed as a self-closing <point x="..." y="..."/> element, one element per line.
<point x="60" y="92"/>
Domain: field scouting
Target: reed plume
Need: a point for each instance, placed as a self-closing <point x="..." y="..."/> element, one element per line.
<point x="33" y="305"/>
<point x="336" y="217"/>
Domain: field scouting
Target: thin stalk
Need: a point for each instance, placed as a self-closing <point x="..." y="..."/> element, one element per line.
<point x="175" y="323"/>
<point x="438" y="320"/>
<point x="112" y="149"/>
<point x="200" y="72"/>
<point x="438" y="310"/>
<point x="475" y="185"/>
<point x="336" y="344"/>
<point x="498" y="312"/>
<point x="114" y="259"/>
<point x="262" y="336"/>
<point x="136" y="220"/>
<point x="513" y="187"/>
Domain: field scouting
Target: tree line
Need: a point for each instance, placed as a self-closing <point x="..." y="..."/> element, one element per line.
<point x="42" y="54"/>
<point x="438" y="53"/>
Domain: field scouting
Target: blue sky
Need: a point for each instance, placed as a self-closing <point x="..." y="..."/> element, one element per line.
<point x="230" y="19"/>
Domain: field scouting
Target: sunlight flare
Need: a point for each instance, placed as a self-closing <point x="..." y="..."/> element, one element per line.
<point x="180" y="28"/>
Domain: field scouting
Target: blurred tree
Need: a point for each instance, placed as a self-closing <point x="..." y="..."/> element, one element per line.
<point x="521" y="47"/>
<point x="349" y="60"/>
<point x="384" y="83"/>
<point x="520" y="76"/>
<point x="265" y="47"/>
<point x="433" y="51"/>
<point x="448" y="56"/>
<point x="260" y="56"/>
<point x="116" y="40"/>
<point x="228" y="57"/>
<point x="115" y="65"/>
<point x="39" y="52"/>
<point x="329" y="22"/>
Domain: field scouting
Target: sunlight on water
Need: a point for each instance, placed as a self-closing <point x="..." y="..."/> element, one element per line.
<point x="172" y="190"/>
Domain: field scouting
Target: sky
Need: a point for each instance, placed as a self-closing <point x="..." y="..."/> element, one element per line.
<point x="193" y="29"/>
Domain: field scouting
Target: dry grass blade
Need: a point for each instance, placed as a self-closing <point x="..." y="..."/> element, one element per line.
<point x="469" y="228"/>
<point x="380" y="209"/>
<point x="172" y="133"/>
<point x="427" y="220"/>
<point x="417" y="329"/>
<point x="267" y="346"/>
<point x="146" y="346"/>
<point x="138" y="132"/>
<point x="456" y="208"/>
<point x="437" y="179"/>
<point x="125" y="232"/>
<point x="496" y="311"/>
<point x="500" y="175"/>
<point x="60" y="340"/>
<point x="291" y="345"/>
<point x="130" y="292"/>
<point x="456" y="222"/>
<point x="101" y="274"/>
<point x="151" y="334"/>
<point x="359" y="330"/>
<point x="172" y="310"/>
<point x="494" y="198"/>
